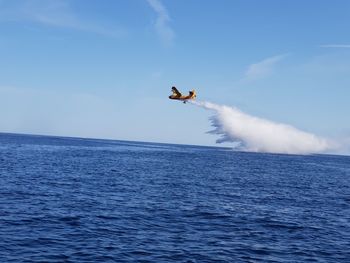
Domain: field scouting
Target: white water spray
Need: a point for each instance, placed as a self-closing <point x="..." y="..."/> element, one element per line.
<point x="255" y="134"/>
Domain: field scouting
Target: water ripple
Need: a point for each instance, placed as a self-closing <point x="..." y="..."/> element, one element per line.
<point x="76" y="200"/>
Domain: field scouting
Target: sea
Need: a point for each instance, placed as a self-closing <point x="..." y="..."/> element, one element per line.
<point x="88" y="200"/>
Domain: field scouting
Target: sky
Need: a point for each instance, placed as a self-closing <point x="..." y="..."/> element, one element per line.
<point x="104" y="69"/>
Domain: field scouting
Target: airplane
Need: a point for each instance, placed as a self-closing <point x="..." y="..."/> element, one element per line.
<point x="178" y="96"/>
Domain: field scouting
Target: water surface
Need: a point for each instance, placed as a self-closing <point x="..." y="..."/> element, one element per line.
<point x="84" y="200"/>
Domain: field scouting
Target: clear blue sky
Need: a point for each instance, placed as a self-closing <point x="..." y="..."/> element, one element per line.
<point x="104" y="68"/>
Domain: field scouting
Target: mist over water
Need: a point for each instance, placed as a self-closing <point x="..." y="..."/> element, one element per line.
<point x="250" y="133"/>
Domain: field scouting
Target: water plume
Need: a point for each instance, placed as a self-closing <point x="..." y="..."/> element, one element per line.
<point x="250" y="133"/>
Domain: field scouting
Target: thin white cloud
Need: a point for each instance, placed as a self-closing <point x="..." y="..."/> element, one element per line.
<point x="336" y="46"/>
<point x="162" y="27"/>
<point x="263" y="68"/>
<point x="56" y="13"/>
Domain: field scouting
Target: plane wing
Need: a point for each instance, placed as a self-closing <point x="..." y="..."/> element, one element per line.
<point x="176" y="92"/>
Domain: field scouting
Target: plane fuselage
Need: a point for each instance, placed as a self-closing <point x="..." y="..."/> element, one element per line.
<point x="178" y="96"/>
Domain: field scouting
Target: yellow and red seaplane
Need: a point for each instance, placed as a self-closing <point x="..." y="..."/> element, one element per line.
<point x="178" y="96"/>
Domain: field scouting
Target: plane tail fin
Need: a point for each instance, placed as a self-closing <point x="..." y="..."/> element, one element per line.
<point x="193" y="94"/>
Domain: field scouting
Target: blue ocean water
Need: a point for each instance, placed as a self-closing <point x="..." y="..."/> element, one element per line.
<point x="84" y="200"/>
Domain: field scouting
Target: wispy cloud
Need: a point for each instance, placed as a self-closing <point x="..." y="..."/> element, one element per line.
<point x="336" y="46"/>
<point x="262" y="68"/>
<point x="162" y="27"/>
<point x="56" y="13"/>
